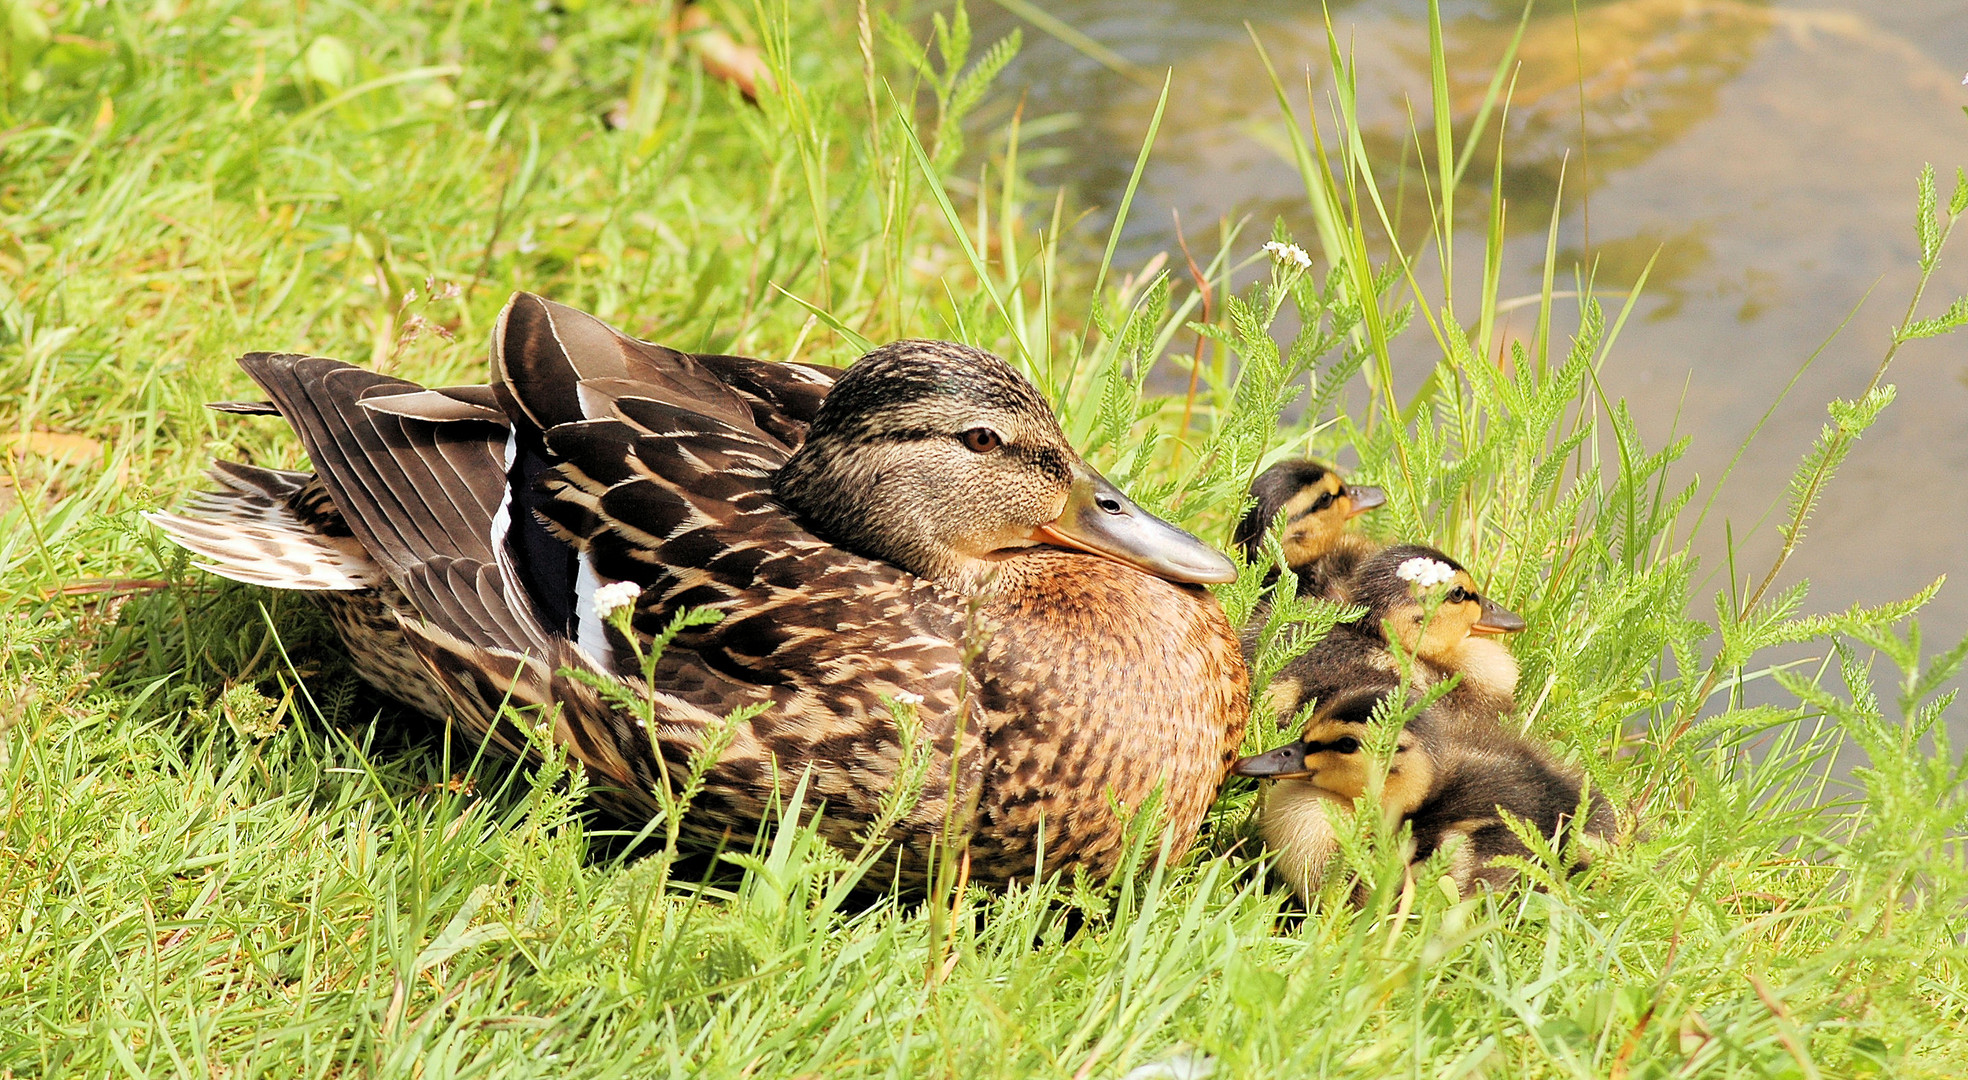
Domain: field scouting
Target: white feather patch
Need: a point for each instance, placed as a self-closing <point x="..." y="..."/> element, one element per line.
<point x="499" y="532"/>
<point x="589" y="632"/>
<point x="502" y="518"/>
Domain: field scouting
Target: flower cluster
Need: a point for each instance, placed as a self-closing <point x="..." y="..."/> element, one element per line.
<point x="1289" y="255"/>
<point x="615" y="596"/>
<point x="1425" y="572"/>
<point x="904" y="697"/>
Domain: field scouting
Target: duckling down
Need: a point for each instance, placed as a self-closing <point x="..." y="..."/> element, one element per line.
<point x="1455" y="787"/>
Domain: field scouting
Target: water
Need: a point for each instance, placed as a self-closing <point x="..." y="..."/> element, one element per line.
<point x="1767" y="150"/>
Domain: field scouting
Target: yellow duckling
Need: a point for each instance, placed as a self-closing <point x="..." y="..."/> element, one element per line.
<point x="1453" y="785"/>
<point x="1451" y="635"/>
<point x="1317" y="505"/>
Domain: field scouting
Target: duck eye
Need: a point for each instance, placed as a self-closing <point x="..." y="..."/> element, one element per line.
<point x="1458" y="595"/>
<point x="1346" y="745"/>
<point x="981" y="440"/>
<point x="1322" y="502"/>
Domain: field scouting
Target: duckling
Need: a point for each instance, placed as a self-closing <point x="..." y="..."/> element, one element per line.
<point x="916" y="533"/>
<point x="1295" y="808"/>
<point x="1317" y="505"/>
<point x="1454" y="638"/>
<point x="1453" y="785"/>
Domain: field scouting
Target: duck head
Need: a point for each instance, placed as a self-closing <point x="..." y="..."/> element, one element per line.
<point x="943" y="460"/>
<point x="1385" y="584"/>
<point x="1332" y="760"/>
<point x="1317" y="504"/>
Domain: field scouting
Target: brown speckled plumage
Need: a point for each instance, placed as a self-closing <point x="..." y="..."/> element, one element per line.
<point x="1162" y="652"/>
<point x="466" y="525"/>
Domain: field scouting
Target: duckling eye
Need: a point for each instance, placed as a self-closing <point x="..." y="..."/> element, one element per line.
<point x="981" y="440"/>
<point x="1346" y="745"/>
<point x="1459" y="595"/>
<point x="1322" y="502"/>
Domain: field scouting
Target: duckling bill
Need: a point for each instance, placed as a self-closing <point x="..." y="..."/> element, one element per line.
<point x="914" y="528"/>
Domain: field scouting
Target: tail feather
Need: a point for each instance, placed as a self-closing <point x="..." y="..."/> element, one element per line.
<point x="265" y="528"/>
<point x="244" y="408"/>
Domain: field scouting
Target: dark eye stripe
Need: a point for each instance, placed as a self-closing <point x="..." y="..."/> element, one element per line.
<point x="1318" y="504"/>
<point x="1047" y="459"/>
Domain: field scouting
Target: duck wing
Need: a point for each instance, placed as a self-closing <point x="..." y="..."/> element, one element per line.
<point x="658" y="472"/>
<point x="656" y="467"/>
<point x="423" y="497"/>
<point x="641" y="463"/>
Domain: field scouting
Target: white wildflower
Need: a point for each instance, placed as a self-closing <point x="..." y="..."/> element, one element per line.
<point x="1289" y="254"/>
<point x="615" y="596"/>
<point x="1425" y="572"/>
<point x="904" y="697"/>
<point x="1183" y="1065"/>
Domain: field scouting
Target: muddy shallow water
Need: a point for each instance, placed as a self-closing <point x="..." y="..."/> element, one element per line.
<point x="1768" y="151"/>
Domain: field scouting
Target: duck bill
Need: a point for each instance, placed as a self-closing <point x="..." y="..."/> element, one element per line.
<point x="1098" y="519"/>
<point x="1284" y="763"/>
<point x="1497" y="620"/>
<point x="1364" y="497"/>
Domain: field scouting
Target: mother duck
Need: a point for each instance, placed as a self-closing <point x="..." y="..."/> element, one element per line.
<point x="918" y="529"/>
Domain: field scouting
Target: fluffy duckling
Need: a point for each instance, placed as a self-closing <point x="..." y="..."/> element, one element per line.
<point x="1317" y="505"/>
<point x="1452" y="638"/>
<point x="1452" y="785"/>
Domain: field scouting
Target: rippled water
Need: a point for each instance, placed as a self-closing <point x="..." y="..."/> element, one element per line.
<point x="1768" y="151"/>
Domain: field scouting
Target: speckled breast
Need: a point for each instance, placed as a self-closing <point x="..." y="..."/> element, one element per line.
<point x="1102" y="687"/>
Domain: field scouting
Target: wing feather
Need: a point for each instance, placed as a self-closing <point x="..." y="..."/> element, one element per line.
<point x="421" y="496"/>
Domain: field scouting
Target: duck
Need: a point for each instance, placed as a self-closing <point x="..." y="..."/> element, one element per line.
<point x="1455" y="787"/>
<point x="1451" y="636"/>
<point x="896" y="584"/>
<point x="1318" y="505"/>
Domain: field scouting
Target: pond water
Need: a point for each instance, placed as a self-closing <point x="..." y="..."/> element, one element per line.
<point x="1768" y="151"/>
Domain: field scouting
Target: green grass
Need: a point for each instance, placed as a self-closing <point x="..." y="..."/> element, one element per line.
<point x="223" y="858"/>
